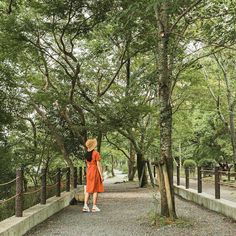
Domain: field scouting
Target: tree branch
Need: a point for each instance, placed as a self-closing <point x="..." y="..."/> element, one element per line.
<point x="115" y="75"/>
<point x="216" y="100"/>
<point x="131" y="138"/>
<point x="9" y="11"/>
<point x="183" y="14"/>
<point x="117" y="147"/>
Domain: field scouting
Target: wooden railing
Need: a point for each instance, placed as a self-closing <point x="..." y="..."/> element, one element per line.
<point x="44" y="187"/>
<point x="216" y="172"/>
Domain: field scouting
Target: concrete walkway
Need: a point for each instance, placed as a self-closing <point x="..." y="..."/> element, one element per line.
<point x="128" y="210"/>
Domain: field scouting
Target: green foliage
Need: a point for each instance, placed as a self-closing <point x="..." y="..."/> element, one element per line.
<point x="91" y="68"/>
<point x="203" y="133"/>
<point x="189" y="164"/>
<point x="7" y="171"/>
<point x="7" y="209"/>
<point x="111" y="154"/>
<point x="207" y="163"/>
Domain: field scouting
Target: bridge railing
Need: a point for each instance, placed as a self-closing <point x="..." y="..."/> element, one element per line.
<point x="51" y="184"/>
<point x="216" y="172"/>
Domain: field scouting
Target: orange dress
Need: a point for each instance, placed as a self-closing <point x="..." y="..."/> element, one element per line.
<point x="93" y="179"/>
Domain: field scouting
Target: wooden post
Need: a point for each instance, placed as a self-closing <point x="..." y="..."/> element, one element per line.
<point x="68" y="179"/>
<point x="150" y="173"/>
<point x="19" y="193"/>
<point x="43" y="196"/>
<point x="217" y="183"/>
<point x="75" y="177"/>
<point x="199" y="179"/>
<point x="178" y="175"/>
<point x="58" y="179"/>
<point x="187" y="177"/>
<point x="80" y="175"/>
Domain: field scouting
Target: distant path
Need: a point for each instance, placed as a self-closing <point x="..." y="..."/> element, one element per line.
<point x="124" y="212"/>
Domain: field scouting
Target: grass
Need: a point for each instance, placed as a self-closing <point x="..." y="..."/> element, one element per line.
<point x="160" y="221"/>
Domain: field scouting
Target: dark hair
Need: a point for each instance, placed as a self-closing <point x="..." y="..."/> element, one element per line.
<point x="88" y="156"/>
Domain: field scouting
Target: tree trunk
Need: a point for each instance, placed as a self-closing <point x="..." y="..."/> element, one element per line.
<point x="165" y="122"/>
<point x="140" y="166"/>
<point x="131" y="163"/>
<point x="112" y="166"/>
<point x="99" y="140"/>
<point x="162" y="189"/>
<point x="180" y="158"/>
<point x="169" y="193"/>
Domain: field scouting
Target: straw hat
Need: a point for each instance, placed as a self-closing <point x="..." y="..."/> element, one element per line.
<point x="91" y="144"/>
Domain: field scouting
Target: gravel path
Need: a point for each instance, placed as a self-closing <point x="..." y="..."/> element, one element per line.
<point x="125" y="211"/>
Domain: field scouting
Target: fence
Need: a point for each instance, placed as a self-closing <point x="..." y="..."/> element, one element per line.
<point x="216" y="172"/>
<point x="58" y="185"/>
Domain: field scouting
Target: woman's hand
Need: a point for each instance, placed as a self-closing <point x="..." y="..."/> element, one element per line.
<point x="102" y="179"/>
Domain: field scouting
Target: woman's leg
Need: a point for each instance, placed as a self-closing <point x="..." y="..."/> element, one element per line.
<point x="95" y="208"/>
<point x="86" y="197"/>
<point x="95" y="197"/>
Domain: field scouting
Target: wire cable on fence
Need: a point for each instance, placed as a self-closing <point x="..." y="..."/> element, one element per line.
<point x="51" y="186"/>
<point x="7" y="200"/>
<point x="9" y="182"/>
<point x="31" y="192"/>
<point x="51" y="176"/>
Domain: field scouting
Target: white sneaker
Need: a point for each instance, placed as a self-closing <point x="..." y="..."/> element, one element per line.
<point x="95" y="209"/>
<point x="86" y="209"/>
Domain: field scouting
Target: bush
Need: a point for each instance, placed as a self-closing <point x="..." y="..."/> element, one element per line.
<point x="207" y="163"/>
<point x="7" y="209"/>
<point x="190" y="164"/>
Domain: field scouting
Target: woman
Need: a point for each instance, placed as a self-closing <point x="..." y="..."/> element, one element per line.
<point x="94" y="179"/>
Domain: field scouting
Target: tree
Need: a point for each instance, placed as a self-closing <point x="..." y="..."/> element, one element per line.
<point x="173" y="21"/>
